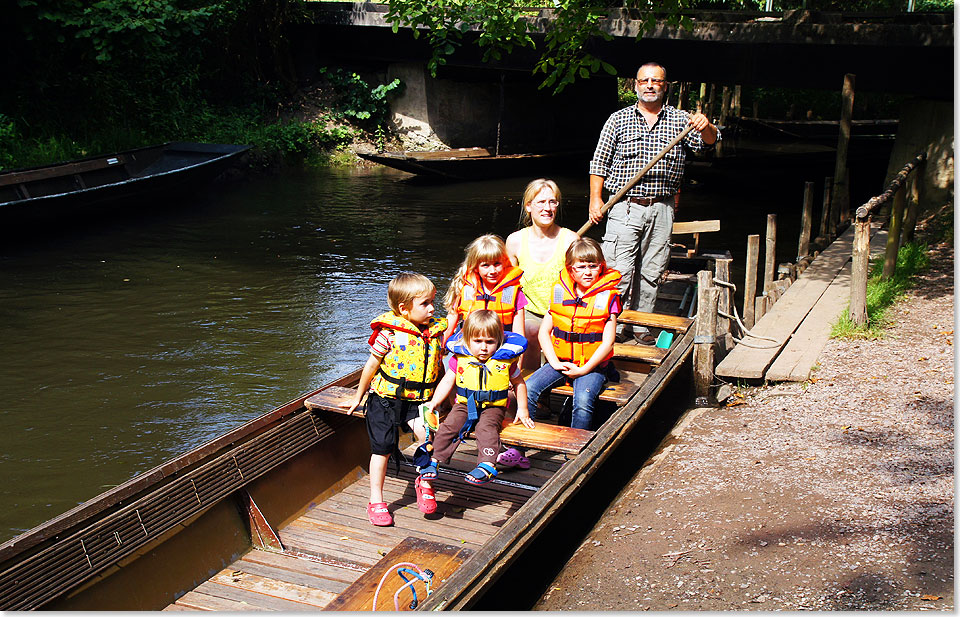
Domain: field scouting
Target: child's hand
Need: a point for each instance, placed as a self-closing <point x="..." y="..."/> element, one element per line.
<point x="352" y="404"/>
<point x="573" y="371"/>
<point x="523" y="417"/>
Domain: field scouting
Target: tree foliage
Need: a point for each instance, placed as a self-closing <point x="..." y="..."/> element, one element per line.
<point x="563" y="39"/>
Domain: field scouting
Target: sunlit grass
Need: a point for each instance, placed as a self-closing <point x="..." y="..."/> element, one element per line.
<point x="883" y="293"/>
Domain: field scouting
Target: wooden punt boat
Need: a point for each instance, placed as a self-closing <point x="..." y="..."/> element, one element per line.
<point x="145" y="171"/>
<point x="271" y="515"/>
<point x="479" y="163"/>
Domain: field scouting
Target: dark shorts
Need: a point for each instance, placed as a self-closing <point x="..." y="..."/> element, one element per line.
<point x="384" y="417"/>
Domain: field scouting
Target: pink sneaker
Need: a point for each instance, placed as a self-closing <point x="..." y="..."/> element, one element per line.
<point x="379" y="515"/>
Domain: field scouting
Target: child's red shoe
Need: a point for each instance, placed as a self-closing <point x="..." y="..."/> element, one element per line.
<point x="426" y="499"/>
<point x="379" y="515"/>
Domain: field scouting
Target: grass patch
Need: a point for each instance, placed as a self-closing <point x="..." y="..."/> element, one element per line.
<point x="883" y="293"/>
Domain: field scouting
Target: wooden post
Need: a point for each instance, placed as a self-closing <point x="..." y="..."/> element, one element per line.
<point x="760" y="306"/>
<point x="682" y="95"/>
<point x="770" y="257"/>
<point x="702" y="100"/>
<point x="914" y="195"/>
<point x="724" y="304"/>
<point x="750" y="282"/>
<point x="893" y="233"/>
<point x="806" y="221"/>
<point x="756" y="108"/>
<point x="705" y="339"/>
<point x="841" y="194"/>
<point x="823" y="238"/>
<point x="860" y="272"/>
<point x="736" y="101"/>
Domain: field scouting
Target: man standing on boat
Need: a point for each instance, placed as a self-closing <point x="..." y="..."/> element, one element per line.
<point x="637" y="238"/>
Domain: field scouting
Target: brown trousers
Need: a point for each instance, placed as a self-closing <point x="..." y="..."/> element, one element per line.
<point x="487" y="432"/>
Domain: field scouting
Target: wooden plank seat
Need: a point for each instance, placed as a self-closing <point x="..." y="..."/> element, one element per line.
<point x="618" y="393"/>
<point x="442" y="559"/>
<point x="544" y="436"/>
<point x="639" y="353"/>
<point x="655" y="320"/>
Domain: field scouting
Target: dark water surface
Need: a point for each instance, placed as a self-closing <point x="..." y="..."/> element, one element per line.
<point x="135" y="339"/>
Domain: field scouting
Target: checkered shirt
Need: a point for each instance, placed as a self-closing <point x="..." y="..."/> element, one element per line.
<point x="627" y="144"/>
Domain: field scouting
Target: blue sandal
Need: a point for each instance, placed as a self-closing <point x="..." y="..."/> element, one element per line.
<point x="429" y="472"/>
<point x="483" y="473"/>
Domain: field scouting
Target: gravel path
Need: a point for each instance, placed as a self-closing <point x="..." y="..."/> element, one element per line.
<point x="835" y="494"/>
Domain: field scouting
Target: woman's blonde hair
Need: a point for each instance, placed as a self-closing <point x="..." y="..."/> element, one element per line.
<point x="533" y="188"/>
<point x="587" y="250"/>
<point x="405" y="288"/>
<point x="489" y="247"/>
<point x="483" y="323"/>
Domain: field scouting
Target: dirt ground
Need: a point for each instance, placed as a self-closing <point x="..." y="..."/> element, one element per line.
<point x="835" y="494"/>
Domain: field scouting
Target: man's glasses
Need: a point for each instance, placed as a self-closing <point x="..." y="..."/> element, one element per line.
<point x="656" y="81"/>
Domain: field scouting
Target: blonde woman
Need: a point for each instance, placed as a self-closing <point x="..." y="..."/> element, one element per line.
<point x="538" y="248"/>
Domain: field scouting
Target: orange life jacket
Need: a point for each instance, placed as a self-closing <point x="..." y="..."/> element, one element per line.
<point x="502" y="299"/>
<point x="578" y="321"/>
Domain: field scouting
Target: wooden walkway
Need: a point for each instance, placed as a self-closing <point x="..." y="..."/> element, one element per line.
<point x="333" y="544"/>
<point x="800" y="321"/>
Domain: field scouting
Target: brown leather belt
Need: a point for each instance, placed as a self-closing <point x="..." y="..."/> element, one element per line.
<point x="647" y="201"/>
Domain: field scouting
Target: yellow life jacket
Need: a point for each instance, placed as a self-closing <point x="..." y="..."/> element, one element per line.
<point x="578" y="321"/>
<point x="502" y="299"/>
<point x="484" y="384"/>
<point x="411" y="368"/>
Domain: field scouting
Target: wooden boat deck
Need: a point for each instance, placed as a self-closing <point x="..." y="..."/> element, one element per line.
<point x="333" y="544"/>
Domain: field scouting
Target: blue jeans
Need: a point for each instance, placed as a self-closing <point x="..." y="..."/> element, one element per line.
<point x="586" y="390"/>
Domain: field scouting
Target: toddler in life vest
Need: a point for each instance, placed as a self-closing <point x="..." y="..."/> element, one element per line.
<point x="402" y="371"/>
<point x="578" y="331"/>
<point x="483" y="367"/>
<point x="486" y="280"/>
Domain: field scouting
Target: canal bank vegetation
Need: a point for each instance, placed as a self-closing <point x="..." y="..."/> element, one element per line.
<point x="882" y="293"/>
<point x="85" y="79"/>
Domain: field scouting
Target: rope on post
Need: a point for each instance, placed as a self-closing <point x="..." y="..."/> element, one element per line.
<point x="861" y="242"/>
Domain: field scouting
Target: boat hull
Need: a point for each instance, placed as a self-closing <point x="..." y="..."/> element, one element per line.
<point x="152" y="171"/>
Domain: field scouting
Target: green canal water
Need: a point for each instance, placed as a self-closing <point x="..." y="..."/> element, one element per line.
<point x="135" y="338"/>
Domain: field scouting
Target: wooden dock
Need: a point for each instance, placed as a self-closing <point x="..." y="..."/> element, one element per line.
<point x="800" y="321"/>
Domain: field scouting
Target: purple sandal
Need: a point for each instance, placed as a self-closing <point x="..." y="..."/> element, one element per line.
<point x="511" y="457"/>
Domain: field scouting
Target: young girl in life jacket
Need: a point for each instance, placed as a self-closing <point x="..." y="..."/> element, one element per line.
<point x="483" y="367"/>
<point x="486" y="280"/>
<point x="578" y="331"/>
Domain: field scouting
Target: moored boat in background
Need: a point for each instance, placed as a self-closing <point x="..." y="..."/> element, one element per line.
<point x="150" y="170"/>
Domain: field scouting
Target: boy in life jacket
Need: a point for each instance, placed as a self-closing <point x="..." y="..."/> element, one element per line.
<point x="578" y="332"/>
<point x="486" y="280"/>
<point x="483" y="368"/>
<point x="403" y="370"/>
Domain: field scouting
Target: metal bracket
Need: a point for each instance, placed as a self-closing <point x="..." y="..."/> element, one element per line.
<point x="262" y="534"/>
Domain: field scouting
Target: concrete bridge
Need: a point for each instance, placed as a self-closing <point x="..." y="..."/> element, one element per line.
<point x="909" y="53"/>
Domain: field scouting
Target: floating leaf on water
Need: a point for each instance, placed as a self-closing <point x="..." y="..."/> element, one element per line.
<point x="344" y="538"/>
<point x="930" y="597"/>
